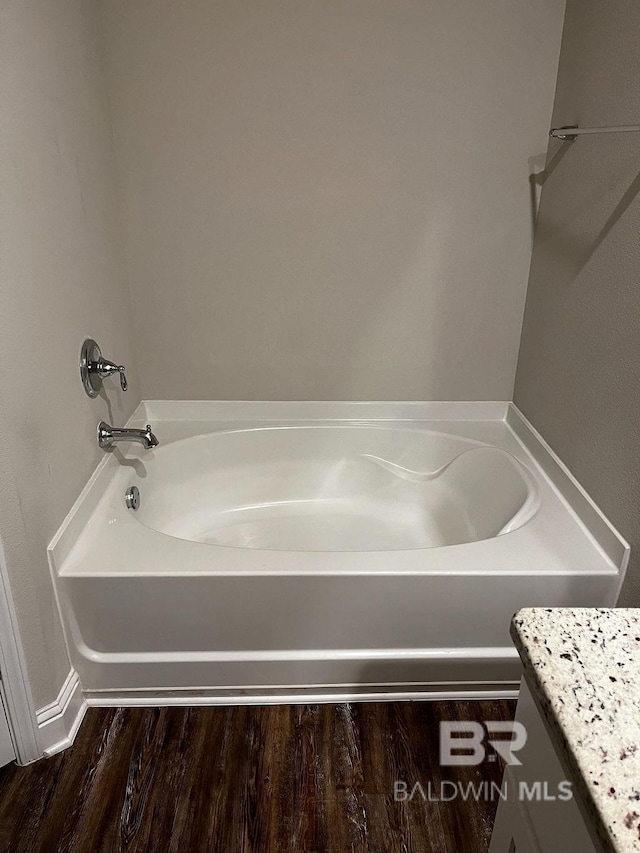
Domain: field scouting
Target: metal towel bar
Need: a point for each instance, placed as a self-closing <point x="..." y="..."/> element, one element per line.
<point x="571" y="132"/>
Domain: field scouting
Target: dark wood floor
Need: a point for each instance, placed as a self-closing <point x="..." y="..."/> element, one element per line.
<point x="316" y="778"/>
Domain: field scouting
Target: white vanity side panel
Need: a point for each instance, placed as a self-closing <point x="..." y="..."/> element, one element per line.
<point x="538" y="826"/>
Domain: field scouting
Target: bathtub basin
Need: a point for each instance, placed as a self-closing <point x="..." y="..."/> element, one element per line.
<point x="290" y="552"/>
<point x="318" y="488"/>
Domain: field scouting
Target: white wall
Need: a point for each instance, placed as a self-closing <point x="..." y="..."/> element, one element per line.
<point x="63" y="278"/>
<point x="579" y="369"/>
<point x="329" y="200"/>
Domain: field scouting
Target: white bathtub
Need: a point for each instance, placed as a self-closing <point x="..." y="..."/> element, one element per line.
<point x="286" y="551"/>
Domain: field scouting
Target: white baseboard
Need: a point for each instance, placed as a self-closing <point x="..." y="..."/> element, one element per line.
<point x="59" y="721"/>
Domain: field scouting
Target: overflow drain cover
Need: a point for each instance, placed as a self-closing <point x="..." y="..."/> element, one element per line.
<point x="132" y="497"/>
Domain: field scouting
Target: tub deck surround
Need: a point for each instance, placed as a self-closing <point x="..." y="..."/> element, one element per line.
<point x="582" y="667"/>
<point x="201" y="597"/>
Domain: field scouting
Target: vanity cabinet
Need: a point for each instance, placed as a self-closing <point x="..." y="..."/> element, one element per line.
<point x="537" y="816"/>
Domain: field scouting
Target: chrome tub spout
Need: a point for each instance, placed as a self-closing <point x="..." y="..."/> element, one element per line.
<point x="108" y="436"/>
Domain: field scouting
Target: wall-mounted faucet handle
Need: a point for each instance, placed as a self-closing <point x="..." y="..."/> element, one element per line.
<point x="107" y="368"/>
<point x="94" y="368"/>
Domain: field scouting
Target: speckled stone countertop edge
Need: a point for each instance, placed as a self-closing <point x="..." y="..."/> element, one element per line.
<point x="599" y="826"/>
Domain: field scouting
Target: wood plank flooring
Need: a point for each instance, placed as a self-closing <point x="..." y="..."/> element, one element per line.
<point x="270" y="779"/>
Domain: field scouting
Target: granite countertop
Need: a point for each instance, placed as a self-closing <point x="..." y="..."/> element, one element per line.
<point x="583" y="666"/>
